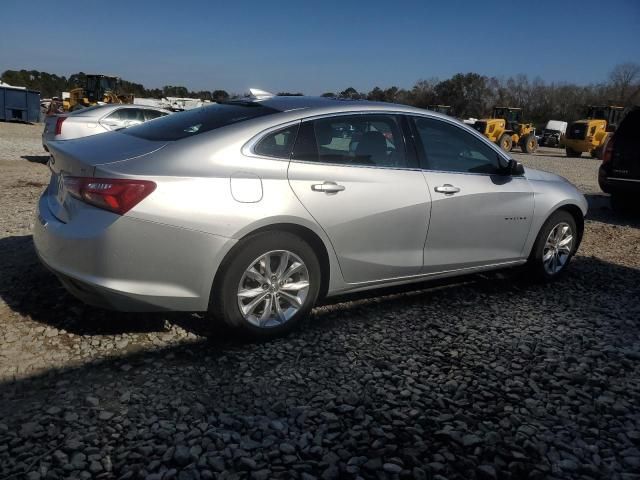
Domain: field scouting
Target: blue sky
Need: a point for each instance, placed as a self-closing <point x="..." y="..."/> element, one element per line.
<point x="315" y="47"/>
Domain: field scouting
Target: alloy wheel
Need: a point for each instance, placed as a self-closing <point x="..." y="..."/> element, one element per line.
<point x="557" y="248"/>
<point x="273" y="288"/>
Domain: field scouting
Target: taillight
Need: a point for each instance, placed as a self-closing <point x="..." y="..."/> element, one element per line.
<point x="608" y="151"/>
<point x="59" y="121"/>
<point x="118" y="195"/>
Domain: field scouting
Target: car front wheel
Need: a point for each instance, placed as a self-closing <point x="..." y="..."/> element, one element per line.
<point x="269" y="284"/>
<point x="554" y="247"/>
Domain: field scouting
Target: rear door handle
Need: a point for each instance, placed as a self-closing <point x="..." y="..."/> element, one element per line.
<point x="327" y="187"/>
<point x="447" y="189"/>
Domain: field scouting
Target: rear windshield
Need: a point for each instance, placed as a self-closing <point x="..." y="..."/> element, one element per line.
<point x="199" y="120"/>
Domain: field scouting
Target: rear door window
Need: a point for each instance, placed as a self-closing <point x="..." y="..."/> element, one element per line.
<point x="199" y="120"/>
<point x="369" y="139"/>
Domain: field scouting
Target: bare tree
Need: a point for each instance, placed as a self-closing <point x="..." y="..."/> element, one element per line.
<point x="625" y="79"/>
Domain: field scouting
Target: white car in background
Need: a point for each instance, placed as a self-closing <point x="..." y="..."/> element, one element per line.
<point x="96" y="119"/>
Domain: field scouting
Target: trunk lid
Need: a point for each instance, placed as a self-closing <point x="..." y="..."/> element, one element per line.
<point x="80" y="157"/>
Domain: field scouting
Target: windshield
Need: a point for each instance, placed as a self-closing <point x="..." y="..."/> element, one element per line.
<point x="199" y="120"/>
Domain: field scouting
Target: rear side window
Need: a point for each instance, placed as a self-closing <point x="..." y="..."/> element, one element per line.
<point x="449" y="148"/>
<point x="199" y="120"/>
<point x="373" y="140"/>
<point x="278" y="144"/>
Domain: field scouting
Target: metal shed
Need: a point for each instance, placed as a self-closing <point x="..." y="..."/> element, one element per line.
<point x="19" y="104"/>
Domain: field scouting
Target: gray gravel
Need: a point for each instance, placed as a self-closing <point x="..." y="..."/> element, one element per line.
<point x="489" y="378"/>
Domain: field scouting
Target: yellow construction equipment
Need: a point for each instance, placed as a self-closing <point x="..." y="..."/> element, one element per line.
<point x="505" y="128"/>
<point x="98" y="89"/>
<point x="591" y="133"/>
<point x="444" y="109"/>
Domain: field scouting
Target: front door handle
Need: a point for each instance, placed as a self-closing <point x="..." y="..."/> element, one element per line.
<point x="447" y="189"/>
<point x="327" y="187"/>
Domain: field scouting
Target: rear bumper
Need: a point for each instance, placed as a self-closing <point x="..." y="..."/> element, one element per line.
<point x="126" y="264"/>
<point x="616" y="185"/>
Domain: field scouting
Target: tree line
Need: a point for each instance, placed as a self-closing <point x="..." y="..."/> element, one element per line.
<point x="474" y="95"/>
<point x="468" y="94"/>
<point x="51" y="85"/>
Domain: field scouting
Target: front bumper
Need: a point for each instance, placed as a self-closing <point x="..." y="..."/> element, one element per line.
<point x="127" y="264"/>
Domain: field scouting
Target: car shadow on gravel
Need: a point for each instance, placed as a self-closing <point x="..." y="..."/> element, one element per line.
<point x="600" y="210"/>
<point x="43" y="159"/>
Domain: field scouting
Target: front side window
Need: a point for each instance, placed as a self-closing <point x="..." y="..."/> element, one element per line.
<point x="372" y="140"/>
<point x="279" y="143"/>
<point x="446" y="147"/>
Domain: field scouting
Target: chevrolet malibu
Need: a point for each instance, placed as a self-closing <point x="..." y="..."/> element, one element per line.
<point x="254" y="209"/>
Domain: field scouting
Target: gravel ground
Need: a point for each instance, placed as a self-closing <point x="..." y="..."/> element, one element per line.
<point x="488" y="378"/>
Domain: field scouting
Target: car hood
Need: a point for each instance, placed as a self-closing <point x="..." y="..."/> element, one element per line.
<point x="542" y="176"/>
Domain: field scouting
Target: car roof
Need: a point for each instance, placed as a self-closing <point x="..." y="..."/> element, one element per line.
<point x="328" y="104"/>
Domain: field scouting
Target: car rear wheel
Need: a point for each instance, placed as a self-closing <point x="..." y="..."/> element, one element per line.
<point x="269" y="284"/>
<point x="554" y="247"/>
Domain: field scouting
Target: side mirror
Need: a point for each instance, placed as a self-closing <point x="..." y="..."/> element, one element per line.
<point x="515" y="168"/>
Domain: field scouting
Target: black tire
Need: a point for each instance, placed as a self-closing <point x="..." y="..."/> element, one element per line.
<point x="224" y="295"/>
<point x="572" y="153"/>
<point x="529" y="144"/>
<point x="621" y="203"/>
<point x="535" y="264"/>
<point x="595" y="153"/>
<point x="505" y="142"/>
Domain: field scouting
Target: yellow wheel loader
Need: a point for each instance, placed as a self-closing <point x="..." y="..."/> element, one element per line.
<point x="444" y="109"/>
<point x="97" y="89"/>
<point x="591" y="134"/>
<point x="505" y="128"/>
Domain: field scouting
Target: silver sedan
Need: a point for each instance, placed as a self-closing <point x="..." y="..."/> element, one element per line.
<point x="254" y="209"/>
<point x="96" y="119"/>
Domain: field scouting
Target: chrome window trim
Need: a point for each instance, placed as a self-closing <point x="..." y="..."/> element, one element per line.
<point x="248" y="148"/>
<point x="327" y="164"/>
<point x="617" y="179"/>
